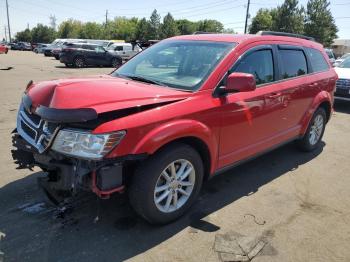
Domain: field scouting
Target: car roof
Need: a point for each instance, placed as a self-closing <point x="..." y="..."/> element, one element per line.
<point x="240" y="38"/>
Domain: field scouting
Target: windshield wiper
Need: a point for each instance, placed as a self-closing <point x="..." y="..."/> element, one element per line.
<point x="143" y="79"/>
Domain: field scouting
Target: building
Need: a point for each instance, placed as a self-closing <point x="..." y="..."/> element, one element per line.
<point x="341" y="46"/>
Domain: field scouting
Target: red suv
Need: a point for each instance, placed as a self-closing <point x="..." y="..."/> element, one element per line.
<point x="175" y="115"/>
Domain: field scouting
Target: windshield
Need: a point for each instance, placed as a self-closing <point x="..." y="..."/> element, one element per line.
<point x="345" y="56"/>
<point x="177" y="64"/>
<point x="330" y="54"/>
<point x="345" y="63"/>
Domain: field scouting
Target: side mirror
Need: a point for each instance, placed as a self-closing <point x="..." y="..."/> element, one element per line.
<point x="239" y="82"/>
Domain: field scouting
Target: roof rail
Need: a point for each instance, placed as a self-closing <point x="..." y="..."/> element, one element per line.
<point x="285" y="34"/>
<point x="203" y="32"/>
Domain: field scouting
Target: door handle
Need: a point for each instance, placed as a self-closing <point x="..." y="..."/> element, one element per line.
<point x="274" y="95"/>
<point x="313" y="85"/>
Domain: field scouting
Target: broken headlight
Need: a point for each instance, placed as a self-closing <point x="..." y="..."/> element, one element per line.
<point x="86" y="145"/>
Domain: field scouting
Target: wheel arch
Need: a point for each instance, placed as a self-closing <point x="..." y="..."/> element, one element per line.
<point x="190" y="132"/>
<point x="323" y="100"/>
<point x="199" y="145"/>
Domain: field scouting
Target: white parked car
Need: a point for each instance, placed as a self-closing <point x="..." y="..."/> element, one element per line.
<point x="124" y="50"/>
<point x="342" y="91"/>
<point x="330" y="55"/>
<point x="341" y="59"/>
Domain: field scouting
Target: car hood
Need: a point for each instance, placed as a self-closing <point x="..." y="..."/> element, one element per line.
<point x="343" y="73"/>
<point x="101" y="93"/>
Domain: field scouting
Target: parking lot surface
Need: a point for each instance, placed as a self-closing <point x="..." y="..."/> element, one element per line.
<point x="296" y="205"/>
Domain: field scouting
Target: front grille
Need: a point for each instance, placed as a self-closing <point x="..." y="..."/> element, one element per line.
<point x="29" y="131"/>
<point x="36" y="131"/>
<point x="343" y="84"/>
<point x="34" y="118"/>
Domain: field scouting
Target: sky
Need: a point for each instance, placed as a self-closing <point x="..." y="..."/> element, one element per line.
<point x="231" y="13"/>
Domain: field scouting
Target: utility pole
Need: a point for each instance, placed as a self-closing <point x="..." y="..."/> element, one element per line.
<point x="246" y="18"/>
<point x="106" y="18"/>
<point x="5" y="33"/>
<point x="8" y="20"/>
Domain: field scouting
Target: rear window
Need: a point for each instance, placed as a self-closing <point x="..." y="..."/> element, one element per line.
<point x="317" y="60"/>
<point x="294" y="63"/>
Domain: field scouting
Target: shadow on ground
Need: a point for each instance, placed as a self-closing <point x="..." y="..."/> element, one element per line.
<point x="342" y="106"/>
<point x="119" y="234"/>
<point x="72" y="67"/>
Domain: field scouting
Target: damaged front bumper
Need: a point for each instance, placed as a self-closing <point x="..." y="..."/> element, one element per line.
<point x="65" y="176"/>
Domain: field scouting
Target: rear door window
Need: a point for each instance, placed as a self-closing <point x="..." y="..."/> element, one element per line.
<point x="293" y="63"/>
<point x="317" y="60"/>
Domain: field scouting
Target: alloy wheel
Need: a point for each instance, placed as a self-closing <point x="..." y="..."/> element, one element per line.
<point x="316" y="130"/>
<point x="174" y="186"/>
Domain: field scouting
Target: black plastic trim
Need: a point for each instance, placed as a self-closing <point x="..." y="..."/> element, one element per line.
<point x="66" y="115"/>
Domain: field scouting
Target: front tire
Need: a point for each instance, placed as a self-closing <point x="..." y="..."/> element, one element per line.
<point x="167" y="184"/>
<point x="79" y="62"/>
<point x="314" y="132"/>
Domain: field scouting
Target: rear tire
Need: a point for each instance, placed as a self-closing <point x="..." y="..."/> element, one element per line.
<point x="116" y="62"/>
<point x="79" y="62"/>
<point x="167" y="184"/>
<point x="314" y="133"/>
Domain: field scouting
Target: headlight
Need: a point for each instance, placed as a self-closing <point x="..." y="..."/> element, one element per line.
<point x="86" y="145"/>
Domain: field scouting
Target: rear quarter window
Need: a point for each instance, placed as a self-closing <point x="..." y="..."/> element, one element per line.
<point x="293" y="63"/>
<point x="317" y="60"/>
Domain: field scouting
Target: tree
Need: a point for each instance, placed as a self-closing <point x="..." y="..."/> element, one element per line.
<point x="154" y="23"/>
<point x="168" y="28"/>
<point x="42" y="34"/>
<point x="289" y="18"/>
<point x="24" y="36"/>
<point x="143" y="29"/>
<point x="210" y="26"/>
<point x="91" y="30"/>
<point x="70" y="29"/>
<point x="186" y="27"/>
<point x="228" y="31"/>
<point x="123" y="28"/>
<point x="262" y="21"/>
<point x="319" y="22"/>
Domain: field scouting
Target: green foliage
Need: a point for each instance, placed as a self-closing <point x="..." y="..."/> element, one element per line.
<point x="24" y="36"/>
<point x="289" y="18"/>
<point x="91" y="30"/>
<point x="210" y="26"/>
<point x="169" y="27"/>
<point x="154" y="23"/>
<point x="42" y="34"/>
<point x="262" y="21"/>
<point x="70" y="29"/>
<point x="319" y="22"/>
<point x="143" y="30"/>
<point x="186" y="27"/>
<point x="316" y="21"/>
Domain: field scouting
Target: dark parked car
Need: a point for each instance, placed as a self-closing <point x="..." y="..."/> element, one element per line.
<point x="80" y="55"/>
<point x="23" y="46"/>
